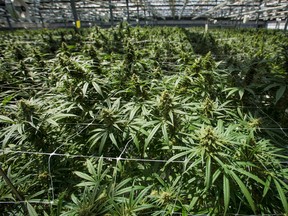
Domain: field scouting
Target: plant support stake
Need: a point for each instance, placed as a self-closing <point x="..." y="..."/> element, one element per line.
<point x="14" y="190"/>
<point x="9" y="183"/>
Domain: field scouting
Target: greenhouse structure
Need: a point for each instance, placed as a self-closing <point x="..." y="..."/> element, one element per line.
<point x="143" y="107"/>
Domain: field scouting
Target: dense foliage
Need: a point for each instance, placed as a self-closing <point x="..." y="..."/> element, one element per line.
<point x="144" y="121"/>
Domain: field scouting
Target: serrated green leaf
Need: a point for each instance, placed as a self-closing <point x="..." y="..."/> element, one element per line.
<point x="95" y="138"/>
<point x="5" y="119"/>
<point x="100" y="166"/>
<point x="271" y="86"/>
<point x="52" y="122"/>
<point x="112" y="138"/>
<point x="85" y="87"/>
<point x="74" y="199"/>
<point x="216" y="174"/>
<point x="141" y="196"/>
<point x="283" y="183"/>
<point x="280" y="92"/>
<point x="31" y="210"/>
<point x="143" y="207"/>
<point x="159" y="179"/>
<point x="90" y="168"/>
<point x="226" y="193"/>
<point x="84" y="176"/>
<point x="282" y="196"/>
<point x="136" y="141"/>
<point x="171" y="117"/>
<point x="97" y="88"/>
<point x="244" y="190"/>
<point x="103" y="141"/>
<point x="231" y="91"/>
<point x="250" y="90"/>
<point x="86" y="184"/>
<point x="208" y="172"/>
<point x="184" y="212"/>
<point x="36" y="194"/>
<point x="179" y="155"/>
<point x="165" y="134"/>
<point x="124" y="190"/>
<point x="266" y="186"/>
<point x="193" y="202"/>
<point x="7" y="99"/>
<point x="194" y="164"/>
<point x="122" y="183"/>
<point x="151" y="135"/>
<point x="9" y="135"/>
<point x="241" y="93"/>
<point x="133" y="112"/>
<point x="62" y="115"/>
<point x="250" y="175"/>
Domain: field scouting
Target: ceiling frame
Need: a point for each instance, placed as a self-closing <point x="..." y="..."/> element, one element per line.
<point x="46" y="10"/>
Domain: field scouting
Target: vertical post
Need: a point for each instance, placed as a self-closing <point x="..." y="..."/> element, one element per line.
<point x="206" y="28"/>
<point x="111" y="13"/>
<point x="41" y="19"/>
<point x="277" y="24"/>
<point x="257" y="20"/>
<point x="286" y="24"/>
<point x="128" y="15"/>
<point x="75" y="15"/>
<point x="137" y="10"/>
<point x="8" y="20"/>
<point x="144" y="8"/>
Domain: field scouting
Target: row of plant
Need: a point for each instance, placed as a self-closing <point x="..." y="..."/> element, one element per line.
<point x="173" y="121"/>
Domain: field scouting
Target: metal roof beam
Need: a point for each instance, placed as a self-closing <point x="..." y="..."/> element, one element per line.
<point x="259" y="11"/>
<point x="212" y="9"/>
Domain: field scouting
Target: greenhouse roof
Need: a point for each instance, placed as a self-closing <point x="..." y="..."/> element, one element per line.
<point x="59" y="11"/>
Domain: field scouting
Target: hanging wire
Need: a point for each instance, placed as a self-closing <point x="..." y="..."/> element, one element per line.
<point x="30" y="201"/>
<point x="91" y="156"/>
<point x="282" y="129"/>
<point x="54" y="153"/>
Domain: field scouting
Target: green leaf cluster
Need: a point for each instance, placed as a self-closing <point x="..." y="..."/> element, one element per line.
<point x="173" y="120"/>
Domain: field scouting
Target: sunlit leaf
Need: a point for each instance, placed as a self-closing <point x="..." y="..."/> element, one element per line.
<point x="165" y="134"/>
<point x="208" y="172"/>
<point x="84" y="176"/>
<point x="151" y="135"/>
<point x="31" y="210"/>
<point x="85" y="87"/>
<point x="5" y="119"/>
<point x="97" y="88"/>
<point x="226" y="192"/>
